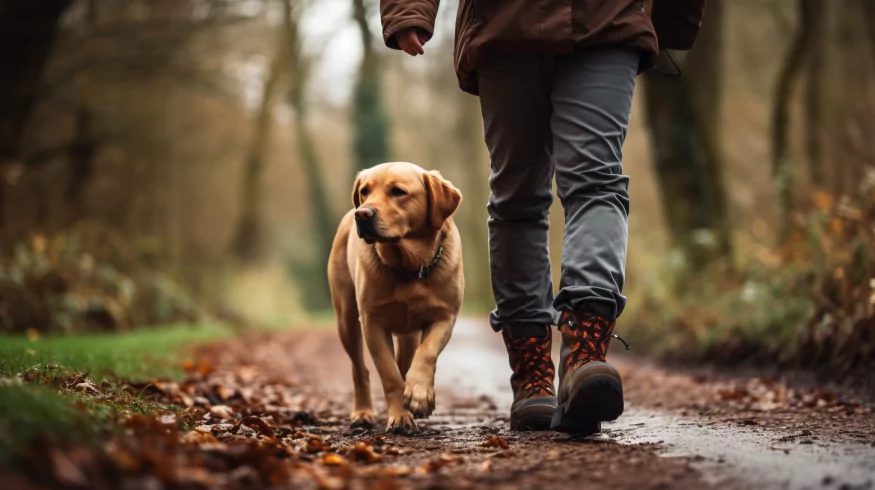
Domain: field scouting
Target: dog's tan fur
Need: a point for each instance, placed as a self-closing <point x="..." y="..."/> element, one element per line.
<point x="371" y="298"/>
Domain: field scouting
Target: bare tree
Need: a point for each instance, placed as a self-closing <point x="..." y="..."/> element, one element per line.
<point x="783" y="171"/>
<point x="247" y="245"/>
<point x="814" y="95"/>
<point x="323" y="221"/>
<point x="682" y="114"/>
<point x="370" y="122"/>
<point x="27" y="32"/>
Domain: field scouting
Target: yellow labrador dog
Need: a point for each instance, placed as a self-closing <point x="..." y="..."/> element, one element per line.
<point x="396" y="270"/>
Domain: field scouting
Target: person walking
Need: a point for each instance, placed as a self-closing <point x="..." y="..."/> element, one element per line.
<point x="555" y="80"/>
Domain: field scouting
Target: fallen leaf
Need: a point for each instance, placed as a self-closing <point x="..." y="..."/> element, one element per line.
<point x="222" y="411"/>
<point x="496" y="441"/>
<point x="88" y="387"/>
<point x="363" y="453"/>
<point x="199" y="436"/>
<point x="333" y="459"/>
<point x="224" y="392"/>
<point x="255" y="423"/>
<point x="195" y="475"/>
<point x="398" y="470"/>
<point x="65" y="470"/>
<point x="736" y="394"/>
<point x="316" y="445"/>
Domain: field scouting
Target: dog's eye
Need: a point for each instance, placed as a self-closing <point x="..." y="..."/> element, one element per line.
<point x="364" y="192"/>
<point x="395" y="191"/>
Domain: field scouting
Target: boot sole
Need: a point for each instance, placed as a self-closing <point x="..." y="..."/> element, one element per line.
<point x="533" y="417"/>
<point x="599" y="398"/>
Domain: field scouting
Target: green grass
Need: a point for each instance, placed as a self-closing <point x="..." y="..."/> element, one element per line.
<point x="143" y="353"/>
<point x="28" y="411"/>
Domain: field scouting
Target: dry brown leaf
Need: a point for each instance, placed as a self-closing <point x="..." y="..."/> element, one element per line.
<point x="363" y="453"/>
<point x="65" y="470"/>
<point x="317" y="445"/>
<point x="222" y="411"/>
<point x="256" y="423"/>
<point x="393" y="450"/>
<point x="122" y="458"/>
<point x="736" y="394"/>
<point x="496" y="441"/>
<point x="224" y="392"/>
<point x="198" y="436"/>
<point x="88" y="387"/>
<point x="398" y="470"/>
<point x="195" y="475"/>
<point x="333" y="459"/>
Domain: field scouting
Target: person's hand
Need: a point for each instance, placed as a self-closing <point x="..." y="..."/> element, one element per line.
<point x="411" y="40"/>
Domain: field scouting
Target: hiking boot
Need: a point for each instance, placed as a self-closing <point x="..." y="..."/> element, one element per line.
<point x="534" y="397"/>
<point x="590" y="389"/>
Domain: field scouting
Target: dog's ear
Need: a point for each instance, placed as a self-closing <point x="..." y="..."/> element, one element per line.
<point x="356" y="189"/>
<point x="443" y="198"/>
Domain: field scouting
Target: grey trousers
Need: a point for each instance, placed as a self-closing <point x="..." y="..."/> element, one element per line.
<point x="568" y="116"/>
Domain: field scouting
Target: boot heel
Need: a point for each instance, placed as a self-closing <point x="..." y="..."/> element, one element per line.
<point x="533" y="414"/>
<point x="598" y="398"/>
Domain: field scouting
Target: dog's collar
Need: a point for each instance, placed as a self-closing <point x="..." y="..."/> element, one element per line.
<point x="422" y="273"/>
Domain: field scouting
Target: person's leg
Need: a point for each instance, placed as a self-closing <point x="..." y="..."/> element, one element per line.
<point x="515" y="102"/>
<point x="592" y="100"/>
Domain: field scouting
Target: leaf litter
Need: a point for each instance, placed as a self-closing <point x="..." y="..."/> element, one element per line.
<point x="259" y="412"/>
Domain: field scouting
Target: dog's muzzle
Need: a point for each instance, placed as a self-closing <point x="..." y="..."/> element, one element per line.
<point x="366" y="224"/>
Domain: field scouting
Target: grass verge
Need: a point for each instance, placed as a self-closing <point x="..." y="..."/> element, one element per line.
<point x="32" y="408"/>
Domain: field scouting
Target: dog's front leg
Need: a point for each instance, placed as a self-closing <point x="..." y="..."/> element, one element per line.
<point x="419" y="386"/>
<point x="380" y="346"/>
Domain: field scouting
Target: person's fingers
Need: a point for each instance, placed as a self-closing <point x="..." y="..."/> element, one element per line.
<point x="423" y="36"/>
<point x="417" y="46"/>
<point x="408" y="41"/>
<point x="404" y="45"/>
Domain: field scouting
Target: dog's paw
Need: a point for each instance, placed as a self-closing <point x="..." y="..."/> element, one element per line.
<point x="419" y="397"/>
<point x="401" y="422"/>
<point x="363" y="419"/>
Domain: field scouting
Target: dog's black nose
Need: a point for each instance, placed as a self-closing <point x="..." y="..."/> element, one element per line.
<point x="365" y="213"/>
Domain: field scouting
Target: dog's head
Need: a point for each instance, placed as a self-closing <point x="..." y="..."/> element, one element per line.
<point x="397" y="200"/>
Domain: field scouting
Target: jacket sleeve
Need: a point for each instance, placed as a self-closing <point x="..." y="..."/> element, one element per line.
<point x="401" y="14"/>
<point x="677" y="22"/>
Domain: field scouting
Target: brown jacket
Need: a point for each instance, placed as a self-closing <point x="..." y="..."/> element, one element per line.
<point x="486" y="27"/>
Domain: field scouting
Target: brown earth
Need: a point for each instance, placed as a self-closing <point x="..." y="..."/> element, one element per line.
<point x="269" y="411"/>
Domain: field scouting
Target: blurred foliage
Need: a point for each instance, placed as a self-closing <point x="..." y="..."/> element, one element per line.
<point x="62" y="284"/>
<point x="809" y="303"/>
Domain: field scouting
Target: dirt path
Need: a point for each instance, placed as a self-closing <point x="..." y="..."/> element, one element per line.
<point x="269" y="411"/>
<point x="680" y="430"/>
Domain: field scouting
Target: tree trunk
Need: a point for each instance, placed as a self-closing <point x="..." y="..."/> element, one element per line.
<point x="248" y="246"/>
<point x="27" y="32"/>
<point x="319" y="297"/>
<point x="814" y="97"/>
<point x="682" y="114"/>
<point x="782" y="170"/>
<point x="81" y="157"/>
<point x="370" y="122"/>
<point x="868" y="9"/>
